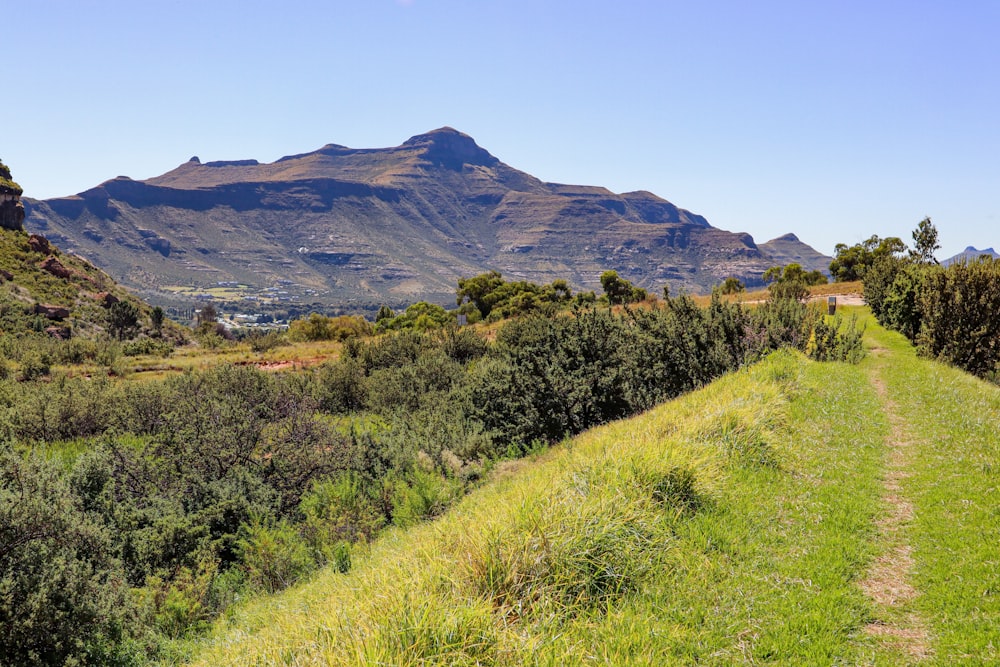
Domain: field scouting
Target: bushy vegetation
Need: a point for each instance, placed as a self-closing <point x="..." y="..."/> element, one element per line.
<point x="212" y="485"/>
<point x="488" y="296"/>
<point x="948" y="313"/>
<point x="319" y="327"/>
<point x="622" y="547"/>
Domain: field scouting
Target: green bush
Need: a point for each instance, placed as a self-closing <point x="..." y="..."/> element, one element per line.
<point x="64" y="597"/>
<point x="959" y="323"/>
<point x="34" y="366"/>
<point x="319" y="327"/>
<point x="134" y="348"/>
<point x="273" y="556"/>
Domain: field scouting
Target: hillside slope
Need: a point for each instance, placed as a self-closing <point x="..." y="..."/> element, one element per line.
<point x="360" y="227"/>
<point x="757" y="520"/>
<point x="43" y="289"/>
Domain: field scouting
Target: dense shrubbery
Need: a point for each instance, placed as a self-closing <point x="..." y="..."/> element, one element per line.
<point x="200" y="488"/>
<point x="949" y="313"/>
<point x="489" y="296"/>
<point x="320" y="327"/>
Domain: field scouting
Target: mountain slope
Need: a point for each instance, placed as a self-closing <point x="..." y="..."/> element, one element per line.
<point x="970" y="254"/>
<point x="362" y="226"/>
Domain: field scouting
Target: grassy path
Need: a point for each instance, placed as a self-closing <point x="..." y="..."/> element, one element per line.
<point x="889" y="582"/>
<point x="938" y="596"/>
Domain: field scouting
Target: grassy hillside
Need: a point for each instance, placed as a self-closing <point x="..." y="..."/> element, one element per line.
<point x="791" y="513"/>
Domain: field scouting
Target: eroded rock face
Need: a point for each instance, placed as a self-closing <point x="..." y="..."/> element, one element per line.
<point x="106" y="299"/>
<point x="11" y="213"/>
<point x="59" y="333"/>
<point x="11" y="208"/>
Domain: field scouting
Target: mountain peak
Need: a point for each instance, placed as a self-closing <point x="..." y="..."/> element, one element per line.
<point x="449" y="148"/>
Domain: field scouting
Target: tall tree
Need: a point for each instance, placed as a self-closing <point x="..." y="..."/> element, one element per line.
<point x="123" y="318"/>
<point x="925" y="242"/>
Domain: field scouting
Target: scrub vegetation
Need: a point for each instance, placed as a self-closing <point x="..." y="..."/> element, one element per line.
<point x="189" y="495"/>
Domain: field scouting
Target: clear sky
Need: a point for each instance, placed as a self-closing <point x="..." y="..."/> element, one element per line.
<point x="833" y="120"/>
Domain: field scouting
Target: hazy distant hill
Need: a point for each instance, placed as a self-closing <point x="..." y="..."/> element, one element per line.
<point x="969" y="254"/>
<point x="357" y="227"/>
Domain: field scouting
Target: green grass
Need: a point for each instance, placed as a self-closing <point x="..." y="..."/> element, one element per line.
<point x="729" y="526"/>
<point x="952" y="421"/>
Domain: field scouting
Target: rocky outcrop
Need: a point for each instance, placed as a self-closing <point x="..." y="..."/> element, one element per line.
<point x="55" y="267"/>
<point x="59" y="333"/>
<point x="106" y="299"/>
<point x="39" y="244"/>
<point x="11" y="208"/>
<point x="51" y="312"/>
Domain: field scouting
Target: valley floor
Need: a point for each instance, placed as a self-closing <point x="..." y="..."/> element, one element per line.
<point x="794" y="513"/>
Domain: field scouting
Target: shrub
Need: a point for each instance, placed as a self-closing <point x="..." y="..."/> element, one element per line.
<point x="64" y="595"/>
<point x="319" y="327"/>
<point x="263" y="342"/>
<point x="958" y="306"/>
<point x="134" y="348"/>
<point x="273" y="556"/>
<point x="34" y="366"/>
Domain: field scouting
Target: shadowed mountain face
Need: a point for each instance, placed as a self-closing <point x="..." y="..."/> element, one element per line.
<point x="971" y="254"/>
<point x="356" y="227"/>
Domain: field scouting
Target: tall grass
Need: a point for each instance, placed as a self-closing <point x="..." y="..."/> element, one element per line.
<point x="725" y="526"/>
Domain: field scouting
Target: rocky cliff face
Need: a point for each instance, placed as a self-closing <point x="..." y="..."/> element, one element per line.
<point x="11" y="208"/>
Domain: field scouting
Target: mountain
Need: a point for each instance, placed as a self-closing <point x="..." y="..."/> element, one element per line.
<point x="358" y="227"/>
<point x="970" y="254"/>
<point x="788" y="249"/>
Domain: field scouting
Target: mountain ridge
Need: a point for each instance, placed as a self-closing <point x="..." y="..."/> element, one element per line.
<point x="355" y="227"/>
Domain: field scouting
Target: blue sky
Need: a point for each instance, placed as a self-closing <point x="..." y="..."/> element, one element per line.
<point x="833" y="120"/>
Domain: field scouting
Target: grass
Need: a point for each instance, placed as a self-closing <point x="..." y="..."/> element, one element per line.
<point x="731" y="525"/>
<point x="951" y="422"/>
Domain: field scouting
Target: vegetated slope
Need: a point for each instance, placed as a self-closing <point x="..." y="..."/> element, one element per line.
<point x="367" y="226"/>
<point x="724" y="527"/>
<point x="42" y="288"/>
<point x="738" y="524"/>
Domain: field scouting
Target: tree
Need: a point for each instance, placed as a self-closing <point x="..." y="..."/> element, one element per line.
<point x="384" y="313"/>
<point x="123" y="318"/>
<point x="732" y="285"/>
<point x="925" y="242"/>
<point x="851" y="262"/>
<point x="208" y="314"/>
<point x="478" y="290"/>
<point x="618" y="290"/>
<point x="156" y="318"/>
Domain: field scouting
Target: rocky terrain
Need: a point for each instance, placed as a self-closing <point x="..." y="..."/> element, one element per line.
<point x="354" y="228"/>
<point x="11" y="208"/>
